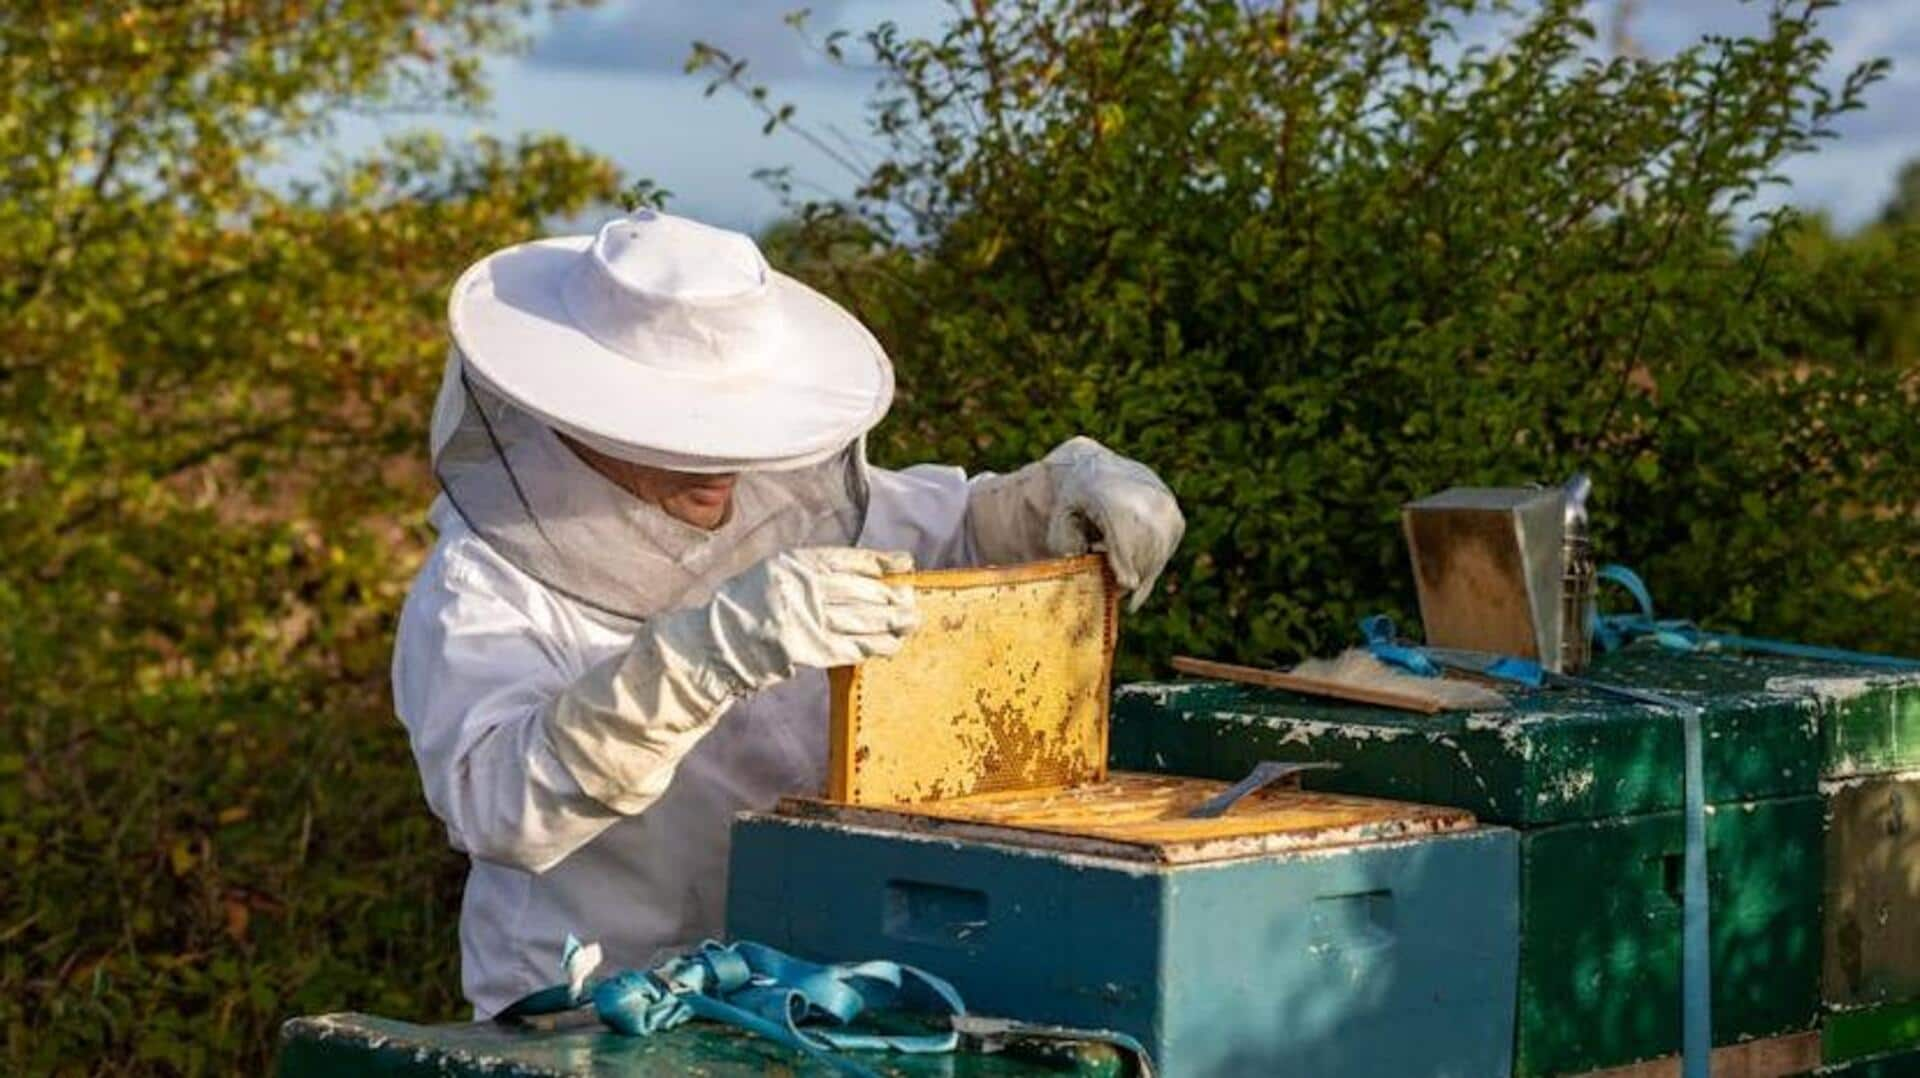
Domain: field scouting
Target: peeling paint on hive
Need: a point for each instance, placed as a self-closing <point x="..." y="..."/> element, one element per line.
<point x="1161" y="692"/>
<point x="1836" y="690"/>
<point x="1567" y="787"/>
<point x="1300" y="731"/>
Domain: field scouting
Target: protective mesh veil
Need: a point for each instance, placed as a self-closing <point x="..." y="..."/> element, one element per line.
<point x="556" y="519"/>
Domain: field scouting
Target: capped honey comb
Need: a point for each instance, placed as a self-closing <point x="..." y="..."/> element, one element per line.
<point x="1003" y="687"/>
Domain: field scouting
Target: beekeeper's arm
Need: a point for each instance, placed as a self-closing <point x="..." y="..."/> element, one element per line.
<point x="1081" y="496"/>
<point x="526" y="761"/>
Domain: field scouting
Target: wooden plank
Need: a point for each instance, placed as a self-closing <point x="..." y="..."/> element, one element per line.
<point x="1275" y="679"/>
<point x="1143" y="818"/>
<point x="1774" y="1057"/>
<point x="1004" y="686"/>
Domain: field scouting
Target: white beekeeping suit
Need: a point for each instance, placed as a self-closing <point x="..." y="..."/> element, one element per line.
<point x="593" y="687"/>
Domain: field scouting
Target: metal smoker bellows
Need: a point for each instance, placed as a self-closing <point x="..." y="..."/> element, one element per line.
<point x="1506" y="570"/>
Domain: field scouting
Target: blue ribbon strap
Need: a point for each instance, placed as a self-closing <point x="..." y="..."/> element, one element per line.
<point x="1384" y="641"/>
<point x="1696" y="977"/>
<point x="803" y="1005"/>
<point x="1611" y="632"/>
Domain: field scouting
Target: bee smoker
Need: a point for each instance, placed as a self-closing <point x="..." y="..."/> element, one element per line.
<point x="1507" y="570"/>
<point x="1576" y="578"/>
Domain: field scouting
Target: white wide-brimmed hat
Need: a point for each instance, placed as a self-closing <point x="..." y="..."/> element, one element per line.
<point x="670" y="343"/>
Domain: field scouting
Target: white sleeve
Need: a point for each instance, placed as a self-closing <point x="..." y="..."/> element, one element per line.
<point x="473" y="668"/>
<point x="921" y="510"/>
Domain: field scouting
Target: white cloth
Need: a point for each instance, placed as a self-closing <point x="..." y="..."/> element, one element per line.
<point x="1081" y="496"/>
<point x="483" y="649"/>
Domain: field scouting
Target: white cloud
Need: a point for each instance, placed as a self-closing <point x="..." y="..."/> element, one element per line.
<point x="638" y="36"/>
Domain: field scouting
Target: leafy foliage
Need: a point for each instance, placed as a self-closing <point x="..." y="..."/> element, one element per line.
<point x="211" y="399"/>
<point x="1314" y="260"/>
<point x="1308" y="259"/>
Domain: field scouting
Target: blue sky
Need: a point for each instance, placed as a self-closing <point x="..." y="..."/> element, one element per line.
<point x="610" y="77"/>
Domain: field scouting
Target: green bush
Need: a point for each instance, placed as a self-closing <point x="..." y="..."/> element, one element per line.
<point x="212" y="402"/>
<point x="1314" y="260"/>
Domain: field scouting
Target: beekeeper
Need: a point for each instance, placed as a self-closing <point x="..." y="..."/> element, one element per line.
<point x="657" y="526"/>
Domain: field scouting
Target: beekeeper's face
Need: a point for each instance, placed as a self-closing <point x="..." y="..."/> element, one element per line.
<point x="699" y="499"/>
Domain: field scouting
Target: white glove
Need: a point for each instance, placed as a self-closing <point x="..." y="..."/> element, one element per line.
<point x="1080" y="497"/>
<point x="623" y="725"/>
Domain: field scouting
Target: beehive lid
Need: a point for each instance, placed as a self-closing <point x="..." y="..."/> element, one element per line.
<point x="1774" y="727"/>
<point x="1138" y="817"/>
<point x="1003" y="687"/>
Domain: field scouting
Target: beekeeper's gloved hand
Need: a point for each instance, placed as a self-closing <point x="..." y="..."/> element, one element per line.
<point x="623" y="725"/>
<point x="1080" y="497"/>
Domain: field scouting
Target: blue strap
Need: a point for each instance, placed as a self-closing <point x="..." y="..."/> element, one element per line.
<point x="1696" y="976"/>
<point x="751" y="986"/>
<point x="1383" y="640"/>
<point x="1762" y="645"/>
<point x="1611" y="632"/>
<point x="1696" y="961"/>
<point x="1519" y="671"/>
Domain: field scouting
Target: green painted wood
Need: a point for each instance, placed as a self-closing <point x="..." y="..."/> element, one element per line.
<point x="1869" y="725"/>
<point x="1600" y="933"/>
<point x="1890" y="1065"/>
<point x="348" y="1045"/>
<point x="1871" y="1031"/>
<point x="1774" y="728"/>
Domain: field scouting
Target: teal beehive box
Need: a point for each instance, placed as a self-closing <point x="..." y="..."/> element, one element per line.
<point x="972" y="828"/>
<point x="1361" y="938"/>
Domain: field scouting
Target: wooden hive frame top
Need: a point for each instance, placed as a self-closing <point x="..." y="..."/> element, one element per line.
<point x="1136" y="817"/>
<point x="990" y="724"/>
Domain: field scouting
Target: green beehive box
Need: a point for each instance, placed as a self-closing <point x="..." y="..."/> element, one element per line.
<point x="1774" y="728"/>
<point x="1594" y="784"/>
<point x="1600" y="933"/>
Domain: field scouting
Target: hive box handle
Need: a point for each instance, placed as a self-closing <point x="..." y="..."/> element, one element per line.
<point x="934" y="913"/>
<point x="1359" y="922"/>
